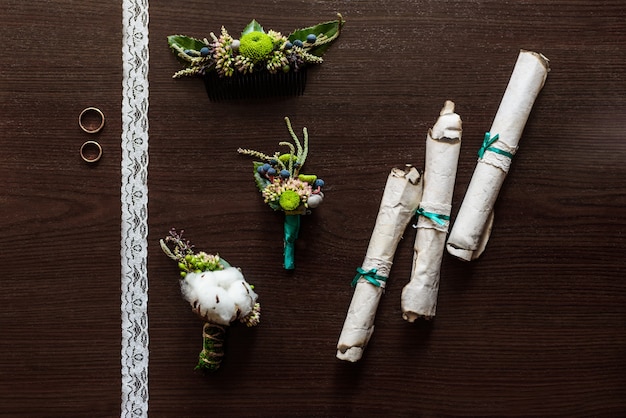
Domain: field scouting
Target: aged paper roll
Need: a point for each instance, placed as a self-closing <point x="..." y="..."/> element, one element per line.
<point x="472" y="226"/>
<point x="443" y="144"/>
<point x="403" y="192"/>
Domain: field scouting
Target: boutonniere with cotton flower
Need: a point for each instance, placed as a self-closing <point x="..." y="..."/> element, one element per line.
<point x="285" y="188"/>
<point x="217" y="292"/>
<point x="257" y="63"/>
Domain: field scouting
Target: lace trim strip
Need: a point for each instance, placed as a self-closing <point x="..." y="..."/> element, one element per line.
<point x="134" y="200"/>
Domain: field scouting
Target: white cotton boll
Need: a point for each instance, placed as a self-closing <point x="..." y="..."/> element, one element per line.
<point x="219" y="296"/>
<point x="217" y="306"/>
<point x="225" y="278"/>
<point x="243" y="297"/>
<point x="189" y="286"/>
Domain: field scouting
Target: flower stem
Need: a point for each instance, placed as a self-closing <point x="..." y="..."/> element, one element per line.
<point x="210" y="358"/>
<point x="291" y="230"/>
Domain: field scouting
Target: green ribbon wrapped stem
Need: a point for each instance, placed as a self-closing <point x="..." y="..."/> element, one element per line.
<point x="291" y="230"/>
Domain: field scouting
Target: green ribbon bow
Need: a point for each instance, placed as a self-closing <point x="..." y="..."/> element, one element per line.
<point x="370" y="276"/>
<point x="435" y="217"/>
<point x="488" y="141"/>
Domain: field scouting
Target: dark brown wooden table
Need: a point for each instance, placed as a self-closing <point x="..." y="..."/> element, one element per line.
<point x="535" y="327"/>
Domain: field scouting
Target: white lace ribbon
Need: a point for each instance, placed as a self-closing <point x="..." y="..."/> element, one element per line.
<point x="134" y="199"/>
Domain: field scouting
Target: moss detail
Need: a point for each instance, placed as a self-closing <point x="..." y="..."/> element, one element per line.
<point x="284" y="158"/>
<point x="210" y="358"/>
<point x="309" y="178"/>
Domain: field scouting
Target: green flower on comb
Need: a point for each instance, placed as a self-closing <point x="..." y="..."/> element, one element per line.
<point x="256" y="45"/>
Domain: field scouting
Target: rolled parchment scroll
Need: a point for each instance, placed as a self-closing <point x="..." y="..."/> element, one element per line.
<point x="403" y="192"/>
<point x="472" y="226"/>
<point x="443" y="143"/>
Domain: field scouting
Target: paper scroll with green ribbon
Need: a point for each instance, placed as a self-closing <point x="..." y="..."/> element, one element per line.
<point x="402" y="195"/>
<point x="286" y="188"/>
<point x="443" y="146"/>
<point x="474" y="220"/>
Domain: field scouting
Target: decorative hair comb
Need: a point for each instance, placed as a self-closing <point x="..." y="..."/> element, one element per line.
<point x="258" y="64"/>
<point x="217" y="293"/>
<point x="284" y="188"/>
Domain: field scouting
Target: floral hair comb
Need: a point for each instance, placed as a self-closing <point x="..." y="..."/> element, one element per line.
<point x="258" y="63"/>
<point x="217" y="292"/>
<point x="285" y="189"/>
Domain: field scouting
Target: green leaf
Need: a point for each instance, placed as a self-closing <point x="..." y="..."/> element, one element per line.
<point x="274" y="205"/>
<point x="225" y="263"/>
<point x="253" y="26"/>
<point x="331" y="29"/>
<point x="261" y="182"/>
<point x="184" y="42"/>
<point x="180" y="43"/>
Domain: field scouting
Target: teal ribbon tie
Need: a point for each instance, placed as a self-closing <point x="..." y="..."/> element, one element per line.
<point x="290" y="231"/>
<point x="488" y="141"/>
<point x="435" y="217"/>
<point x="370" y="276"/>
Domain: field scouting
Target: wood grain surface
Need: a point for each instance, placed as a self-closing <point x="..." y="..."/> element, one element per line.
<point x="535" y="327"/>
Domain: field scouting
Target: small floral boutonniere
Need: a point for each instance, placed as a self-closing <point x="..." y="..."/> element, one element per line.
<point x="285" y="188"/>
<point x="256" y="64"/>
<point x="217" y="293"/>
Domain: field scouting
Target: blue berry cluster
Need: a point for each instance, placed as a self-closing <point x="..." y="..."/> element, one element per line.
<point x="272" y="169"/>
<point x="318" y="184"/>
<point x="310" y="39"/>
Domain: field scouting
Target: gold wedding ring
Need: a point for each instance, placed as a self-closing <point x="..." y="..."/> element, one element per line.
<point x="91" y="151"/>
<point x="91" y="120"/>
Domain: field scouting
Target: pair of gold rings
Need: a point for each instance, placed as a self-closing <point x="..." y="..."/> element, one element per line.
<point x="91" y="120"/>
